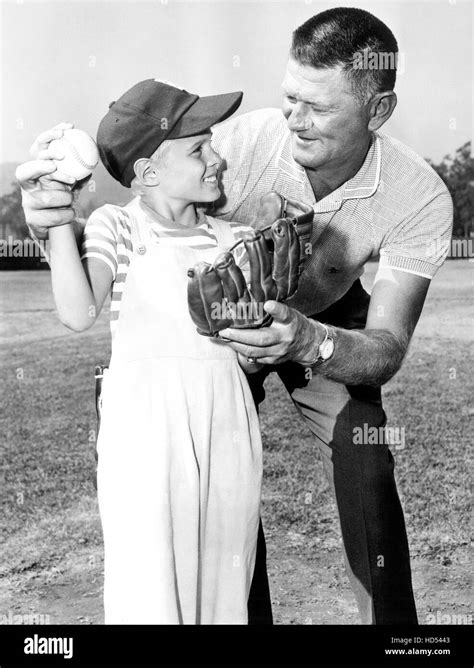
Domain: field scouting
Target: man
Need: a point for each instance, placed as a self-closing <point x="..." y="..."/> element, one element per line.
<point x="333" y="346"/>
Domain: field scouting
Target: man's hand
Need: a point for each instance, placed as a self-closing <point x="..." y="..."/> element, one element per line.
<point x="361" y="357"/>
<point x="47" y="193"/>
<point x="291" y="336"/>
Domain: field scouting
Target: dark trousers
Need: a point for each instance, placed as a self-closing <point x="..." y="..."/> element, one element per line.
<point x="361" y="476"/>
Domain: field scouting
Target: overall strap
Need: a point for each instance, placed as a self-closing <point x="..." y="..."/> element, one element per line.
<point x="134" y="233"/>
<point x="139" y="233"/>
<point x="223" y="231"/>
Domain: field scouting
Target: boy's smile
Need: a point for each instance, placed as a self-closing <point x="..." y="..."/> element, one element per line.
<point x="189" y="169"/>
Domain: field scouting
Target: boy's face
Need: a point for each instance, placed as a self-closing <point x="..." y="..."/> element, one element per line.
<point x="188" y="169"/>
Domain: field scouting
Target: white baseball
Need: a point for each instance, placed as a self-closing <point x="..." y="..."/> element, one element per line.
<point x="80" y="153"/>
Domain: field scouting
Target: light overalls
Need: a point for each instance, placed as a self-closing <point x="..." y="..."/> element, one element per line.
<point x="179" y="448"/>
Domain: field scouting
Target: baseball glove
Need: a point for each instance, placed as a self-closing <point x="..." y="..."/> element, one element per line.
<point x="218" y="295"/>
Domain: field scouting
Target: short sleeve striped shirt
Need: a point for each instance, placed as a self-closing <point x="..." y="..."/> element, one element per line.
<point x="396" y="208"/>
<point x="107" y="237"/>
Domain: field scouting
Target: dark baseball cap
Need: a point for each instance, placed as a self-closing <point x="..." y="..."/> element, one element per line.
<point x="150" y="112"/>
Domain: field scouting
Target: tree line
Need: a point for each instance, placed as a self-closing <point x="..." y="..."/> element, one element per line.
<point x="456" y="171"/>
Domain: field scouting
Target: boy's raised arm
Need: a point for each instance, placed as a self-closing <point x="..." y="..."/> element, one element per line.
<point x="79" y="287"/>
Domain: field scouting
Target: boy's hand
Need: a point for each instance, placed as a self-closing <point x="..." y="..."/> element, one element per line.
<point x="47" y="194"/>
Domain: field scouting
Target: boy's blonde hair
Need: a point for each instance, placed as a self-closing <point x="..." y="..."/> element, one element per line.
<point x="159" y="156"/>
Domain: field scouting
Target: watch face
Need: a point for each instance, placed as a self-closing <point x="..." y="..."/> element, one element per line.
<point x="327" y="349"/>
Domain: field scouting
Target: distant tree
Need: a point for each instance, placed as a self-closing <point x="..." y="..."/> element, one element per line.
<point x="85" y="205"/>
<point x="12" y="219"/>
<point x="458" y="174"/>
<point x="14" y="230"/>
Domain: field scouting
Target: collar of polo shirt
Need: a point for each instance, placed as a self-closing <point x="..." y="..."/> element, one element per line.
<point x="363" y="184"/>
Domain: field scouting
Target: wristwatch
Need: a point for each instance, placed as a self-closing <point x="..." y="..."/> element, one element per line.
<point x="325" y="350"/>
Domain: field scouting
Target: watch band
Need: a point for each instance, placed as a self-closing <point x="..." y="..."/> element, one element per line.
<point x="318" y="358"/>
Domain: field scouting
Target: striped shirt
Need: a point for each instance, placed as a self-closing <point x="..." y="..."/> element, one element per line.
<point x="107" y="237"/>
<point x="395" y="208"/>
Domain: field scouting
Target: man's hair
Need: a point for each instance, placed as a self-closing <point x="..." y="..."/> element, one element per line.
<point x="354" y="39"/>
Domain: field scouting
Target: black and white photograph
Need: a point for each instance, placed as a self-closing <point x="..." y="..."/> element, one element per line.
<point x="237" y="317"/>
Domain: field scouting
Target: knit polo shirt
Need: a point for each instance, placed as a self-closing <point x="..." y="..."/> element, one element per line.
<point x="395" y="209"/>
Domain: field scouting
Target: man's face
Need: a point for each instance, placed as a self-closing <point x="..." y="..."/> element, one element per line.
<point x="326" y="120"/>
<point x="188" y="170"/>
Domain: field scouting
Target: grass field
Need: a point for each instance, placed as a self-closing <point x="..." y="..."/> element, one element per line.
<point x="51" y="539"/>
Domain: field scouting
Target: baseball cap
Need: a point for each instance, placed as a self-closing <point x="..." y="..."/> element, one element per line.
<point x="150" y="112"/>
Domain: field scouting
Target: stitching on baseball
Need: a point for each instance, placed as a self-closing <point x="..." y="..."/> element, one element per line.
<point x="76" y="154"/>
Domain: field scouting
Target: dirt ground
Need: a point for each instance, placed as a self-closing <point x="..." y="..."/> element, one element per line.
<point x="304" y="590"/>
<point x="52" y="560"/>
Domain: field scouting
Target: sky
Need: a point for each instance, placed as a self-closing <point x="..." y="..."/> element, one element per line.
<point x="66" y="61"/>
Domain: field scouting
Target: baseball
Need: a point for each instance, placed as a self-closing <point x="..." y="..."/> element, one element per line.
<point x="80" y="153"/>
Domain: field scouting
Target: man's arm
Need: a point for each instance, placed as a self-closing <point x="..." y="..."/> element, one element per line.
<point x="374" y="355"/>
<point x="47" y="193"/>
<point x="366" y="357"/>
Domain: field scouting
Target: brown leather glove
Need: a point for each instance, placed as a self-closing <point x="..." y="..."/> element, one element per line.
<point x="218" y="296"/>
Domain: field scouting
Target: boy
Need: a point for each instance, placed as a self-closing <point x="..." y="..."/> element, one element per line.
<point x="180" y="462"/>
